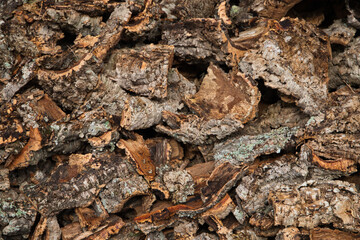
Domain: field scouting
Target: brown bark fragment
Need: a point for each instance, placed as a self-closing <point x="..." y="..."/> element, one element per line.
<point x="112" y="227"/>
<point x="140" y="156"/>
<point x="326" y="233"/>
<point x="222" y="105"/>
<point x="220" y="96"/>
<point x="70" y="231"/>
<point x="221" y="209"/>
<point x="198" y="40"/>
<point x="23" y="159"/>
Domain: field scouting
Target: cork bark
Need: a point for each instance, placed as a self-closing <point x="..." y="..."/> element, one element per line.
<point x="179" y="119"/>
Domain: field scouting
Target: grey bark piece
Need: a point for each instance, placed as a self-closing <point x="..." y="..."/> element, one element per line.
<point x="341" y="114"/>
<point x="206" y="236"/>
<point x="245" y="149"/>
<point x="71" y="84"/>
<point x="340" y="33"/>
<point x="344" y="68"/>
<point x="180" y="183"/>
<point x="314" y="203"/>
<point x="294" y="61"/>
<point x="142" y="70"/>
<point x="186" y="229"/>
<point x="16" y="213"/>
<point x="179" y="9"/>
<point x="116" y="193"/>
<point x="4" y="179"/>
<point x="271" y="9"/>
<point x="271" y="118"/>
<point x="7" y="58"/>
<point x="287" y="170"/>
<point x="141" y="112"/>
<point x="74" y="185"/>
<point x="195" y="40"/>
<point x="26" y="74"/>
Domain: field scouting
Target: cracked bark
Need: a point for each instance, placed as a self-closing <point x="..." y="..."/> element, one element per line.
<point x="179" y="119"/>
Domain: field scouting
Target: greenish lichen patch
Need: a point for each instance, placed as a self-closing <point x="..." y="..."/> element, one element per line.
<point x="247" y="148"/>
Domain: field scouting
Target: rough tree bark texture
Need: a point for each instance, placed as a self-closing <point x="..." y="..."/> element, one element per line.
<point x="170" y="119"/>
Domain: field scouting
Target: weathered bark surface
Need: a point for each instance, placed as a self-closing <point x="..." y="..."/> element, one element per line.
<point x="179" y="119"/>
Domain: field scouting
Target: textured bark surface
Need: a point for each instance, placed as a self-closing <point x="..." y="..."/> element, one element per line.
<point x="169" y="119"/>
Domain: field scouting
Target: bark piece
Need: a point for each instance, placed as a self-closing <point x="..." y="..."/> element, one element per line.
<point x="143" y="70"/>
<point x="269" y="119"/>
<point x="222" y="105"/>
<point x="185" y="230"/>
<point x="70" y="84"/>
<point x="221" y="95"/>
<point x="353" y="17"/>
<point x="120" y="190"/>
<point x="341" y="114"/>
<point x="326" y="233"/>
<point x="200" y="174"/>
<point x="107" y="139"/>
<point x="70" y="231"/>
<point x="74" y="185"/>
<point x="53" y="230"/>
<point x="140" y="112"/>
<point x="340" y="33"/>
<point x="88" y="218"/>
<point x="176" y="9"/>
<point x="201" y="40"/>
<point x="25" y="156"/>
<point x="221" y="180"/>
<point x="246" y="148"/>
<point x="272" y="9"/>
<point x="271" y="174"/>
<point x="140" y="156"/>
<point x="47" y="228"/>
<point x="222" y="209"/>
<point x="23" y="76"/>
<point x="317" y="202"/>
<point x="180" y="184"/>
<point x="4" y="179"/>
<point x="292" y="61"/>
<point x="289" y="233"/>
<point x="195" y="40"/>
<point x="345" y="66"/>
<point x="24" y="122"/>
<point x="16" y="214"/>
<point x="113" y="226"/>
<point x="206" y="236"/>
<point x="336" y="151"/>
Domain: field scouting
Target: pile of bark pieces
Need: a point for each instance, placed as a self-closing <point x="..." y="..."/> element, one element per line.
<point x="170" y="119"/>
